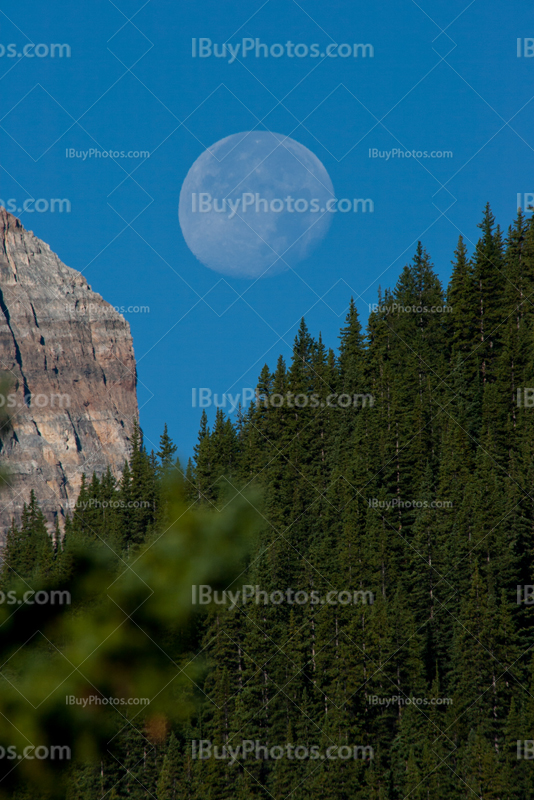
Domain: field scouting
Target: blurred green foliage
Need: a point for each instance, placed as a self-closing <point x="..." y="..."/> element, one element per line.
<point x="130" y="631"/>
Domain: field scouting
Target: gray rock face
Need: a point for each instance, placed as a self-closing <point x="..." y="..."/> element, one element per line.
<point x="70" y="362"/>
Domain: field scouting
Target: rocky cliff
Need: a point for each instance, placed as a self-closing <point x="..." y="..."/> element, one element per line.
<point x="69" y="359"/>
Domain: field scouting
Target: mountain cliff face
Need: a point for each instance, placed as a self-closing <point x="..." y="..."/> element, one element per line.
<point x="68" y="357"/>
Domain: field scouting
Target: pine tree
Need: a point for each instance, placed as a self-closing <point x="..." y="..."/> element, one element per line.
<point x="169" y="779"/>
<point x="166" y="453"/>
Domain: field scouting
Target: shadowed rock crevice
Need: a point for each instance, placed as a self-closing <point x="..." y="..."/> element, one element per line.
<point x="18" y="356"/>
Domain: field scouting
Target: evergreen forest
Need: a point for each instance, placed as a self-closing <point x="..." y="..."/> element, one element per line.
<point x="415" y="501"/>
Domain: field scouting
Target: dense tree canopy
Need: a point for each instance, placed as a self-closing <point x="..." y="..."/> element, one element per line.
<point x="418" y="492"/>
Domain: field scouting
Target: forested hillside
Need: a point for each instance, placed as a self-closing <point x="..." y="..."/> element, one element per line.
<point x="416" y="500"/>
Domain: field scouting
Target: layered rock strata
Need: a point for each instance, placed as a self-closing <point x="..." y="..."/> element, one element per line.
<point x="68" y="363"/>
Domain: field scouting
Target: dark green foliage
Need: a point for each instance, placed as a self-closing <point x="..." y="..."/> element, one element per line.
<point x="30" y="551"/>
<point x="418" y="492"/>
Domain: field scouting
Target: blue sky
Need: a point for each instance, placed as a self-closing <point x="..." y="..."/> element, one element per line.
<point x="445" y="76"/>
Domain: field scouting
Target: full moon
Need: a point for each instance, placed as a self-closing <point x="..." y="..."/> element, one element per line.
<point x="255" y="204"/>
